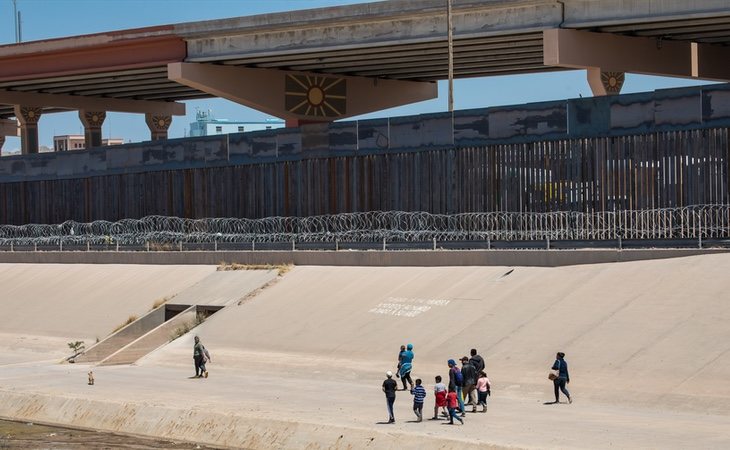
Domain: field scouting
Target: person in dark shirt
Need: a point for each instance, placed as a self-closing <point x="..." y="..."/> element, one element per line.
<point x="456" y="382"/>
<point x="477" y="361"/>
<point x="469" y="372"/>
<point x="563" y="377"/>
<point x="389" y="387"/>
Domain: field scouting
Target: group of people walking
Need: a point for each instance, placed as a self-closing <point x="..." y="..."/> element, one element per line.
<point x="468" y="385"/>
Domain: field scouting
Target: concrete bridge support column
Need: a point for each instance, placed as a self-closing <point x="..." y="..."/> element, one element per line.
<point x="605" y="83"/>
<point x="93" y="121"/>
<point x="2" y="141"/>
<point x="28" y="117"/>
<point x="158" y="125"/>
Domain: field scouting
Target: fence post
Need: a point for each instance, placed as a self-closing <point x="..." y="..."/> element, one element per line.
<point x="337" y="245"/>
<point x="620" y="243"/>
<point x="547" y="240"/>
<point x="11" y="246"/>
<point x="35" y="246"/>
<point x="179" y="246"/>
<point x="383" y="244"/>
<point x="60" y="245"/>
<point x="117" y="245"/>
<point x="489" y="243"/>
<point x="215" y="248"/>
<point x="700" y="241"/>
<point x="148" y="245"/>
<point x="434" y="244"/>
<point x="253" y="246"/>
<point x="293" y="245"/>
<point x="88" y="247"/>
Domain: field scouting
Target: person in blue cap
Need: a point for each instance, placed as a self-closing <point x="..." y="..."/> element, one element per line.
<point x="456" y="382"/>
<point x="406" y="365"/>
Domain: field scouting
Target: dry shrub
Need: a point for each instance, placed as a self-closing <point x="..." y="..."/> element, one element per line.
<point x="281" y="268"/>
<point x="129" y="320"/>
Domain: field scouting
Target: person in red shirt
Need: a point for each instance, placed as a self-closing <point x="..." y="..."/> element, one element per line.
<point x="453" y="405"/>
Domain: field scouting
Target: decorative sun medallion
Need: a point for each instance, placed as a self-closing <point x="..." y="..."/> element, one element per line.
<point x="29" y="114"/>
<point x="161" y="123"/>
<point x="612" y="81"/>
<point x="316" y="96"/>
<point x="94" y="118"/>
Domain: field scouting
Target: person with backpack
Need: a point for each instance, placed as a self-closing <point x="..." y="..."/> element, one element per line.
<point x="561" y="377"/>
<point x="456" y="382"/>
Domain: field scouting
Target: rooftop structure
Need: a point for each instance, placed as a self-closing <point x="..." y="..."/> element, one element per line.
<point x="206" y="125"/>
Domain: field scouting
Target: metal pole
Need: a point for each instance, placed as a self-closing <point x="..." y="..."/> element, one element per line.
<point x="434" y="243"/>
<point x="15" y="18"/>
<point x="450" y="34"/>
<point x="87" y="246"/>
<point x="11" y="246"/>
<point x="383" y="244"/>
<point x="35" y="246"/>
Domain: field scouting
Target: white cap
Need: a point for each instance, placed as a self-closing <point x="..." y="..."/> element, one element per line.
<point x="389" y="373"/>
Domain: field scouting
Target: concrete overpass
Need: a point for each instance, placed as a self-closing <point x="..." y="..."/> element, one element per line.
<point x="331" y="63"/>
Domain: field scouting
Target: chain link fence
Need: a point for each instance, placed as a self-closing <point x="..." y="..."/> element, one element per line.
<point x="692" y="222"/>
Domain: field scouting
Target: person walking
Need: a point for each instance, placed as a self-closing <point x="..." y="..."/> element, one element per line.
<point x="453" y="403"/>
<point x="477" y="361"/>
<point x="562" y="377"/>
<point x="439" y="394"/>
<point x="406" y="365"/>
<point x="199" y="355"/>
<point x="456" y="382"/>
<point x="400" y="357"/>
<point x="419" y="396"/>
<point x="389" y="387"/>
<point x="469" y="374"/>
<point x="484" y="390"/>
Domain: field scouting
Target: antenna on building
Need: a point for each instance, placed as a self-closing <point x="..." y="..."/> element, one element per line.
<point x="20" y="28"/>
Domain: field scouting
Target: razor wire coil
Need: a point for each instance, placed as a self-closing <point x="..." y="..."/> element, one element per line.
<point x="690" y="222"/>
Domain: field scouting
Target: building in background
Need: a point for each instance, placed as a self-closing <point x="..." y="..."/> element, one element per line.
<point x="77" y="142"/>
<point x="207" y="125"/>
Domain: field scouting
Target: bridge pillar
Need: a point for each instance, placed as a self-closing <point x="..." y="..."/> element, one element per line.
<point x="92" y="121"/>
<point x="2" y="141"/>
<point x="158" y="125"/>
<point x="300" y="96"/>
<point x="28" y="117"/>
<point x="605" y="83"/>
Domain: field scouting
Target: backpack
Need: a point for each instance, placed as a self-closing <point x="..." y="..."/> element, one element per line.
<point x="458" y="377"/>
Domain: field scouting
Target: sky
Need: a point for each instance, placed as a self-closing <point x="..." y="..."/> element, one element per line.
<point x="44" y="19"/>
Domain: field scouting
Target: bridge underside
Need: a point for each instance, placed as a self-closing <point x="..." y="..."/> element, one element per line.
<point x="327" y="64"/>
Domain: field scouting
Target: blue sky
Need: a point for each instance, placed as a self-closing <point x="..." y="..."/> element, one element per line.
<point x="43" y="19"/>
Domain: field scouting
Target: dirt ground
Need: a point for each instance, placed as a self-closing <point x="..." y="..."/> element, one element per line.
<point x="25" y="435"/>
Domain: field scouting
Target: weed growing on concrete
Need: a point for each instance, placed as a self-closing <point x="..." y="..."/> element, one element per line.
<point x="185" y="327"/>
<point x="282" y="268"/>
<point x="159" y="302"/>
<point x="161" y="246"/>
<point x="129" y="320"/>
<point x="77" y="347"/>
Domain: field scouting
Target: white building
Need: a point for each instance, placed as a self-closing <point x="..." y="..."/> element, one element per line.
<point x="206" y="125"/>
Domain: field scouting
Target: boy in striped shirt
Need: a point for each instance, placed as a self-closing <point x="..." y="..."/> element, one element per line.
<point x="419" y="396"/>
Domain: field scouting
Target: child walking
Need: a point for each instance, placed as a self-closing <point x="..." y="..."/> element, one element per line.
<point x="484" y="389"/>
<point x="419" y="395"/>
<point x="439" y="393"/>
<point x="453" y="403"/>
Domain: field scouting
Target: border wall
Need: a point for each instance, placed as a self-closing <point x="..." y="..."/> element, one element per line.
<point x="662" y="149"/>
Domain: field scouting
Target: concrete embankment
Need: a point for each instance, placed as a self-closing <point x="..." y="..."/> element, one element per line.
<point x="301" y="363"/>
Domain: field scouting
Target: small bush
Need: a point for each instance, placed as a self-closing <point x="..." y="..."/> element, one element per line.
<point x="77" y="347"/>
<point x="281" y="268"/>
<point x="129" y="320"/>
<point x="159" y="302"/>
<point x="185" y="327"/>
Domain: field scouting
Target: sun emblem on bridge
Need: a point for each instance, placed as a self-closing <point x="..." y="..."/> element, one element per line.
<point x="612" y="81"/>
<point x="316" y="96"/>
